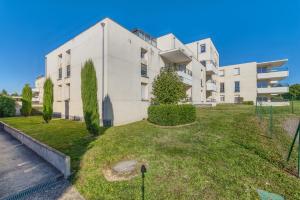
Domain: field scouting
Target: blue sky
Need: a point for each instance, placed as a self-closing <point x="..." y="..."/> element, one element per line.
<point x="243" y="31"/>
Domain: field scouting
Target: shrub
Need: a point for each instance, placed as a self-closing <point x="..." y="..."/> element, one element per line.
<point x="48" y="100"/>
<point x="89" y="97"/>
<point x="26" y="100"/>
<point x="248" y="102"/>
<point x="7" y="106"/>
<point x="167" y="88"/>
<point x="171" y="114"/>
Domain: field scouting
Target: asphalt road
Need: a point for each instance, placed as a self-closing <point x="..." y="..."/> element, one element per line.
<point x="21" y="168"/>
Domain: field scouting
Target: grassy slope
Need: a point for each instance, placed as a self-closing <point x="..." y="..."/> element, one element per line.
<point x="223" y="156"/>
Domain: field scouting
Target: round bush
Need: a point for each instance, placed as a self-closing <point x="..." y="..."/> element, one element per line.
<point x="171" y="115"/>
<point x="7" y="106"/>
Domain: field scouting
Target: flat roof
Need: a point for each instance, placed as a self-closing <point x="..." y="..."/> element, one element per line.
<point x="275" y="63"/>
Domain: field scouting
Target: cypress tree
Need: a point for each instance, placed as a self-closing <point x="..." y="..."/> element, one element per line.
<point x="89" y="97"/>
<point x="48" y="100"/>
<point x="26" y="100"/>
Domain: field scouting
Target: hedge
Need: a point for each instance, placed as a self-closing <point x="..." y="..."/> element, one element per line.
<point x="7" y="106"/>
<point x="248" y="102"/>
<point x="171" y="114"/>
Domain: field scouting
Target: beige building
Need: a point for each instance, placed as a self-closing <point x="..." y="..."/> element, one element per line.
<point x="251" y="81"/>
<point x="38" y="90"/>
<point x="126" y="63"/>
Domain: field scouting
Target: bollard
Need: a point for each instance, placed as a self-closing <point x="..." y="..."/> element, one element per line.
<point x="292" y="145"/>
<point x="143" y="171"/>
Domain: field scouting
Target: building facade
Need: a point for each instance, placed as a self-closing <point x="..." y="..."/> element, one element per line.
<point x="126" y="63"/>
<point x="38" y="90"/>
<point x="253" y="81"/>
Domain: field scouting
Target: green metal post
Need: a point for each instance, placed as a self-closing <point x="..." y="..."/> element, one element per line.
<point x="298" y="153"/>
<point x="292" y="105"/>
<point x="293" y="142"/>
<point x="271" y="122"/>
<point x="256" y="107"/>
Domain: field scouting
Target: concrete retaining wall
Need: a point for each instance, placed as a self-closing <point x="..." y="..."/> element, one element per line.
<point x="59" y="160"/>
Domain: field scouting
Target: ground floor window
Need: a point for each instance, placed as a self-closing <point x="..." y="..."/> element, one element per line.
<point x="222" y="98"/>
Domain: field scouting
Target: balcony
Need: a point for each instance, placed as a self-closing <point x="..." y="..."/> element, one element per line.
<point x="273" y="74"/>
<point x="274" y="89"/>
<point x="186" y="77"/>
<point x="176" y="55"/>
<point x="211" y="86"/>
<point x="211" y="68"/>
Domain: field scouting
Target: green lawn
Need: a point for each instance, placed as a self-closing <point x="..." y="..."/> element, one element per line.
<point x="224" y="155"/>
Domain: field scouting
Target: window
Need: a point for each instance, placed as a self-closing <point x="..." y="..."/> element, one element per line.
<point x="68" y="73"/>
<point x="143" y="53"/>
<point x="201" y="82"/>
<point x="144" y="91"/>
<point x="59" y="91"/>
<point x="222" y="98"/>
<point x="237" y="99"/>
<point x="236" y="71"/>
<point x="202" y="48"/>
<point x="222" y="88"/>
<point x="67" y="91"/>
<point x="236" y="86"/>
<point x="221" y="73"/>
<point x="59" y="60"/>
<point x="203" y="62"/>
<point x="144" y="72"/>
<point x="59" y="73"/>
<point x="68" y="57"/>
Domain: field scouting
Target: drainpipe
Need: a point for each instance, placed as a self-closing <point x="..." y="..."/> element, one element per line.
<point x="103" y="64"/>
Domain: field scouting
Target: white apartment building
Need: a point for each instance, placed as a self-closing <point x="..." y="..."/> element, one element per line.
<point x="38" y="90"/>
<point x="126" y="63"/>
<point x="251" y="81"/>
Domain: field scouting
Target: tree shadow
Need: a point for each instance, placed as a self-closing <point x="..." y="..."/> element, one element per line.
<point x="107" y="112"/>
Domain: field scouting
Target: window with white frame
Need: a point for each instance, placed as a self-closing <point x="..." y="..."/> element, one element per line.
<point x="222" y="98"/>
<point x="144" y="91"/>
<point x="221" y="73"/>
<point x="236" y="71"/>
<point x="202" y="48"/>
<point x="236" y="86"/>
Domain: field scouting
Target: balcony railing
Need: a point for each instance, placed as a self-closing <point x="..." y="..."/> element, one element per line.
<point x="269" y="70"/>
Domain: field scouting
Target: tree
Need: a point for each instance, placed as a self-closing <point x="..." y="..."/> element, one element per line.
<point x="89" y="97"/>
<point x="15" y="94"/>
<point x="4" y="92"/>
<point x="26" y="100"/>
<point x="294" y="92"/>
<point x="48" y="100"/>
<point x="168" y="88"/>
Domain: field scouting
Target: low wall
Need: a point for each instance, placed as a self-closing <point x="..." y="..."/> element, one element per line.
<point x="59" y="160"/>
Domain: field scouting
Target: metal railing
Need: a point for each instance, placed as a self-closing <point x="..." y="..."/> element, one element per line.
<point x="270" y="70"/>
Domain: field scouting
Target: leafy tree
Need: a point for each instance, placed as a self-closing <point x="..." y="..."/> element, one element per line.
<point x="15" y="94"/>
<point x="4" y="92"/>
<point x="48" y="100"/>
<point x="167" y="88"/>
<point x="294" y="92"/>
<point x="7" y="106"/>
<point x="26" y="100"/>
<point x="89" y="97"/>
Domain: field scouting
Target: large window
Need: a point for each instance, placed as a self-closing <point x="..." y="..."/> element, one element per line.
<point x="143" y="53"/>
<point x="236" y="86"/>
<point x="222" y="87"/>
<point x="68" y="72"/>
<point x="202" y="48"/>
<point x="221" y="73"/>
<point x="236" y="71"/>
<point x="222" y="98"/>
<point x="144" y="71"/>
<point x="59" y="73"/>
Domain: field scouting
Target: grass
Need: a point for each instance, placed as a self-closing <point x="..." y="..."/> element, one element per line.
<point x="224" y="155"/>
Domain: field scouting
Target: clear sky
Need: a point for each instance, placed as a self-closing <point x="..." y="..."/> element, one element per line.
<point x="243" y="31"/>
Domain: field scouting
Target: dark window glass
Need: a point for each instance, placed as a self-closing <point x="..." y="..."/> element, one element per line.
<point x="202" y="48"/>
<point x="68" y="71"/>
<point x="144" y="72"/>
<point x="222" y="88"/>
<point x="59" y="73"/>
<point x="203" y="62"/>
<point x="236" y="86"/>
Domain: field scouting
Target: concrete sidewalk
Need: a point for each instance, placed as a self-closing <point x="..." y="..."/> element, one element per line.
<point x="21" y="168"/>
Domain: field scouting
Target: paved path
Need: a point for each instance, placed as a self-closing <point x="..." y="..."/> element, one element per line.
<point x="21" y="168"/>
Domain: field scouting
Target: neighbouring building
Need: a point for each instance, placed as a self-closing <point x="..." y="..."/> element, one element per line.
<point x="251" y="81"/>
<point x="38" y="90"/>
<point x="126" y="63"/>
